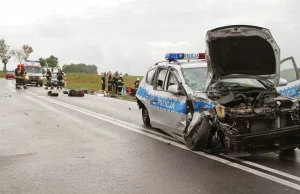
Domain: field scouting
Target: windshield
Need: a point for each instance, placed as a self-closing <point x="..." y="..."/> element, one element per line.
<point x="195" y="77"/>
<point x="235" y="84"/>
<point x="54" y="76"/>
<point x="30" y="69"/>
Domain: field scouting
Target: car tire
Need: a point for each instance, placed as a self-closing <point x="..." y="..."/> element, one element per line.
<point x="145" y="117"/>
<point x="196" y="141"/>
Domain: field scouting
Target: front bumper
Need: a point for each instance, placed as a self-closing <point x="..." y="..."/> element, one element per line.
<point x="39" y="82"/>
<point x="267" y="141"/>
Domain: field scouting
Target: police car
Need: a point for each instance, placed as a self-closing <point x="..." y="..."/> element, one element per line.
<point x="224" y="100"/>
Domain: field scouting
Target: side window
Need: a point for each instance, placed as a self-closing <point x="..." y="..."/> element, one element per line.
<point x="161" y="79"/>
<point x="150" y="76"/>
<point x="287" y="70"/>
<point x="171" y="79"/>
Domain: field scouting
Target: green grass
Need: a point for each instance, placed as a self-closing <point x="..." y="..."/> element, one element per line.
<point x="89" y="81"/>
<point x="2" y="75"/>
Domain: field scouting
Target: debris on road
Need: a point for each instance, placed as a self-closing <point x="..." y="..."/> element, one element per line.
<point x="50" y="93"/>
<point x="65" y="92"/>
<point x="82" y="156"/>
<point x="77" y="93"/>
<point x="25" y="113"/>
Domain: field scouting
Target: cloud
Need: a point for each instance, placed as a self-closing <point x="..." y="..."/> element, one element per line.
<point x="131" y="35"/>
<point x="168" y="44"/>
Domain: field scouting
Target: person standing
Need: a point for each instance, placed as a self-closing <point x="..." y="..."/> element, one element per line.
<point x="17" y="76"/>
<point x="23" y="71"/>
<point x="48" y="77"/>
<point x="60" y="77"/>
<point x="109" y="81"/>
<point x="120" y="84"/>
<point x="114" y="84"/>
<point x="103" y="79"/>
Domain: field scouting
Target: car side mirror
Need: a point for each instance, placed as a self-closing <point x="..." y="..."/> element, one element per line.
<point x="173" y="89"/>
<point x="282" y="82"/>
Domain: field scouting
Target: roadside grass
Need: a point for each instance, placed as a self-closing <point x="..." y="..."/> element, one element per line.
<point x="90" y="81"/>
<point x="2" y="75"/>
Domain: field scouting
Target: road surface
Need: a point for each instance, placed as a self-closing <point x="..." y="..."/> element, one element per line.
<point x="96" y="144"/>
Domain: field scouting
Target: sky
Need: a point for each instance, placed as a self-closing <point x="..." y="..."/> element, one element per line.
<point x="131" y="35"/>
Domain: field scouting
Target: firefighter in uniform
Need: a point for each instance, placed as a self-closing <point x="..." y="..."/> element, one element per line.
<point x="120" y="84"/>
<point x="60" y="77"/>
<point x="109" y="81"/>
<point x="17" y="76"/>
<point x="114" y="84"/>
<point x="103" y="79"/>
<point x="23" y="76"/>
<point x="48" y="77"/>
<point x="136" y="85"/>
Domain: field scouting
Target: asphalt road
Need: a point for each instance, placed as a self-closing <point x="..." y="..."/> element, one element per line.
<point x="96" y="144"/>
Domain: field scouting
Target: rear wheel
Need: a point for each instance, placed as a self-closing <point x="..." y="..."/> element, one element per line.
<point x="197" y="140"/>
<point x="145" y="116"/>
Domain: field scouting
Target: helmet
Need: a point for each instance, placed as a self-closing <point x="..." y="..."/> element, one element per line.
<point x="137" y="78"/>
<point x="19" y="65"/>
<point x="22" y="65"/>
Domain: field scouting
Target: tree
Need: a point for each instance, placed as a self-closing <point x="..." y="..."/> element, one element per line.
<point x="126" y="74"/>
<point x="52" y="62"/>
<point x="20" y="55"/>
<point x="116" y="73"/>
<point x="5" y="53"/>
<point x="27" y="51"/>
<point x="42" y="62"/>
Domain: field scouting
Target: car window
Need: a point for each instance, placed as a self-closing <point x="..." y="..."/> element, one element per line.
<point x="161" y="79"/>
<point x="287" y="70"/>
<point x="150" y="76"/>
<point x="171" y="79"/>
<point x="30" y="69"/>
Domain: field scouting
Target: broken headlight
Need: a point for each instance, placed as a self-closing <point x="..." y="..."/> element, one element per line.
<point x="220" y="111"/>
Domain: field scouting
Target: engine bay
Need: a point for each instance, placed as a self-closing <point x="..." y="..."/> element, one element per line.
<point x="257" y="111"/>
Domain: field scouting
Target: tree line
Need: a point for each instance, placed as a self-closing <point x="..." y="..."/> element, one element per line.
<point x="80" y="68"/>
<point x="22" y="54"/>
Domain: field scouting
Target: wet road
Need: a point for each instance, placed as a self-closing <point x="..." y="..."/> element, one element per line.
<point x="99" y="145"/>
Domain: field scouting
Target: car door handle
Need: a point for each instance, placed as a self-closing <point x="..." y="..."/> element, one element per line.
<point x="154" y="100"/>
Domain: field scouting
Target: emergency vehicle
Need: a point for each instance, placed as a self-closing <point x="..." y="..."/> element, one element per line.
<point x="34" y="73"/>
<point x="225" y="100"/>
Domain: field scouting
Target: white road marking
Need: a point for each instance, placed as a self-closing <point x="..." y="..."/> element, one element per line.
<point x="267" y="169"/>
<point x="129" y="127"/>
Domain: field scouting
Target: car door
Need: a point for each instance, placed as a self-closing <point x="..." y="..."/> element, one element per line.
<point x="290" y="72"/>
<point x="167" y="110"/>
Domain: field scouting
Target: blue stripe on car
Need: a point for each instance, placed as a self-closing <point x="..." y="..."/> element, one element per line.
<point x="172" y="105"/>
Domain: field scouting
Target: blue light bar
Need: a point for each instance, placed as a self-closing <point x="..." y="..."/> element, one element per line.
<point x="179" y="56"/>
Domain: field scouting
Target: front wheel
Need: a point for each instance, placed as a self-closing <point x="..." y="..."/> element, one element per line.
<point x="145" y="116"/>
<point x="197" y="140"/>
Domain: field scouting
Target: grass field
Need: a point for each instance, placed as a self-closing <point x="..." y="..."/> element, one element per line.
<point x="2" y="74"/>
<point x="89" y="81"/>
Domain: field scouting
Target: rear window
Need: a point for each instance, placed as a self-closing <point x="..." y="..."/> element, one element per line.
<point x="30" y="69"/>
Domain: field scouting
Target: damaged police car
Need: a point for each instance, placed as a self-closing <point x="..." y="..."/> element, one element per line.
<point x="224" y="100"/>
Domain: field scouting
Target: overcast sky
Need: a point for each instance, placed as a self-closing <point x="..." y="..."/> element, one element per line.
<point x="131" y="35"/>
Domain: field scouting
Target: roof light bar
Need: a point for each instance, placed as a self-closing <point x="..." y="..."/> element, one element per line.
<point x="180" y="56"/>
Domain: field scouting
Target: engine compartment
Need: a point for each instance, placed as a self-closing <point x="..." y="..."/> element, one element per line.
<point x="257" y="111"/>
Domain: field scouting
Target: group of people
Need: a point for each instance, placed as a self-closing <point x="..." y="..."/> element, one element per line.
<point x="20" y="75"/>
<point x="60" y="77"/>
<point x="116" y="84"/>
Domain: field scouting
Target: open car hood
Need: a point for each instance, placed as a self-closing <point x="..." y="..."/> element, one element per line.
<point x="242" y="51"/>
